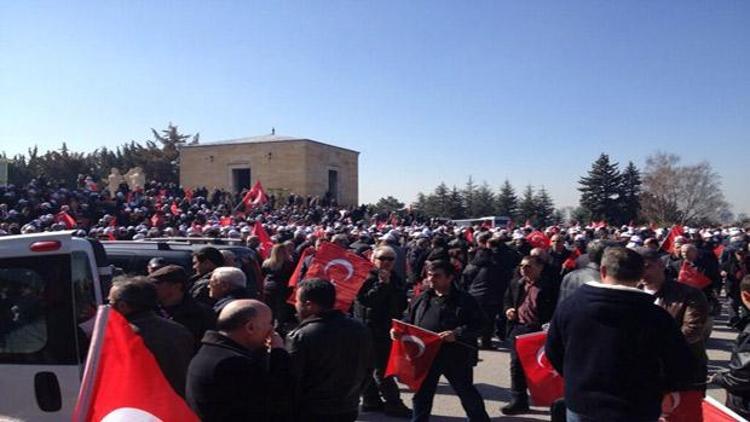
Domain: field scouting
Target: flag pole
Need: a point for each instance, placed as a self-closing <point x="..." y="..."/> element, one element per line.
<point x="83" y="404"/>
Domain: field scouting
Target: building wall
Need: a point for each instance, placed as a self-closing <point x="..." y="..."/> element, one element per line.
<point x="294" y="166"/>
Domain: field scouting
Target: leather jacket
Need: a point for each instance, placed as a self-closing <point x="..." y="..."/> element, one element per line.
<point x="736" y="380"/>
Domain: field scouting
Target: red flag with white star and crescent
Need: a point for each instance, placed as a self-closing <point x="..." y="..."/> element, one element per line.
<point x="545" y="384"/>
<point x="122" y="380"/>
<point x="412" y="354"/>
<point x="345" y="269"/>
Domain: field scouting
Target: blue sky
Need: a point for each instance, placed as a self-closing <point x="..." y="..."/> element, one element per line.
<point x="428" y="91"/>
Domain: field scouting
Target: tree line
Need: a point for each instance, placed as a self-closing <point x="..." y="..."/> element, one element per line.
<point x="159" y="159"/>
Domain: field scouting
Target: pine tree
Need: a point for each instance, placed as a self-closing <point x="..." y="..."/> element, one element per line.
<point x="527" y="207"/>
<point x="469" y="197"/>
<point x="507" y="201"/>
<point x="484" y="201"/>
<point x="601" y="190"/>
<point x="442" y="200"/>
<point x="456" y="209"/>
<point x="631" y="192"/>
<point x="544" y="208"/>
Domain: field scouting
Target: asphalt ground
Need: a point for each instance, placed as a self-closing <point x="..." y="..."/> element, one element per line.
<point x="492" y="378"/>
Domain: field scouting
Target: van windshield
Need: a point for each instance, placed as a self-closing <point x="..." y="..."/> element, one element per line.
<point x="37" y="321"/>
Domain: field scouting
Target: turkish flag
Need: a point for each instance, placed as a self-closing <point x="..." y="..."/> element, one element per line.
<point x="412" y="354"/>
<point x="345" y="269"/>
<point x="122" y="380"/>
<point x="682" y="406"/>
<point x="570" y="263"/>
<point x="188" y="194"/>
<point x="545" y="384"/>
<point x="538" y="239"/>
<point x="294" y="279"/>
<point x="265" y="241"/>
<point x="65" y="218"/>
<point x="690" y="275"/>
<point x="718" y="251"/>
<point x="225" y="221"/>
<point x="255" y="196"/>
<point x="713" y="411"/>
<point x="668" y="244"/>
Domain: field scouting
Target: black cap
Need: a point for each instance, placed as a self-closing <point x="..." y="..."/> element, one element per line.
<point x="170" y="274"/>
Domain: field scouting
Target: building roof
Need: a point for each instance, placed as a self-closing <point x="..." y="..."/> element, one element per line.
<point x="262" y="140"/>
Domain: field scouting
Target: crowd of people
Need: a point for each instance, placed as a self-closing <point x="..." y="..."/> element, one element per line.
<point x="623" y="329"/>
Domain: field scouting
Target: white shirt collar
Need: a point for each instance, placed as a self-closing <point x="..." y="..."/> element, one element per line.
<point x="614" y="286"/>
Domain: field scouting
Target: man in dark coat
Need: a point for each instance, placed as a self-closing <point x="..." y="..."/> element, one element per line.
<point x="457" y="318"/>
<point x="588" y="272"/>
<point x="486" y="280"/>
<point x="381" y="298"/>
<point x="171" y="343"/>
<point x="241" y="372"/>
<point x="736" y="379"/>
<point x="617" y="351"/>
<point x="171" y="284"/>
<point x="529" y="304"/>
<point x="205" y="261"/>
<point x="227" y="284"/>
<point x="330" y="356"/>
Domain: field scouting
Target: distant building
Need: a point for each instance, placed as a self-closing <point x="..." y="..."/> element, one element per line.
<point x="283" y="164"/>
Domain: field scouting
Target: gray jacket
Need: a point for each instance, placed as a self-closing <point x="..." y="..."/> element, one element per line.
<point x="575" y="279"/>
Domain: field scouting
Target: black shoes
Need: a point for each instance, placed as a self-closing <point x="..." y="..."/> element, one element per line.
<point x="397" y="409"/>
<point x="515" y="407"/>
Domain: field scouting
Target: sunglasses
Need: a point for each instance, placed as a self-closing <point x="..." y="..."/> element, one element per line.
<point x="385" y="258"/>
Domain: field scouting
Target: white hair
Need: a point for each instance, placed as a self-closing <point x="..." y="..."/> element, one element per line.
<point x="230" y="275"/>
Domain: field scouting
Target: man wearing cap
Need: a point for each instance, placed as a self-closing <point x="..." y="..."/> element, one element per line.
<point x="171" y="343"/>
<point x="205" y="261"/>
<point x="171" y="284"/>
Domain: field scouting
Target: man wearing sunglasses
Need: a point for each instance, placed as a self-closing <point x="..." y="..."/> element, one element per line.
<point x="381" y="298"/>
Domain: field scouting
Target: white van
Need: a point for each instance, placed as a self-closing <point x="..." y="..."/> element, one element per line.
<point x="50" y="286"/>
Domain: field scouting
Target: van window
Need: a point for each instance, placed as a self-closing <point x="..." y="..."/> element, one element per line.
<point x="83" y="292"/>
<point x="36" y="311"/>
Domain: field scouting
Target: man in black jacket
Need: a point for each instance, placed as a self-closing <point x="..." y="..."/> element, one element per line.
<point x="171" y="343"/>
<point x="617" y="351"/>
<point x="226" y="285"/>
<point x="529" y="304"/>
<point x="458" y="319"/>
<point x="487" y="279"/>
<point x="241" y="371"/>
<point x="736" y="379"/>
<point x="205" y="261"/>
<point x="171" y="283"/>
<point x="381" y="298"/>
<point x="330" y="356"/>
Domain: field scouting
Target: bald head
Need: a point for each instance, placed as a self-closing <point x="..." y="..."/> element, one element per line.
<point x="238" y="312"/>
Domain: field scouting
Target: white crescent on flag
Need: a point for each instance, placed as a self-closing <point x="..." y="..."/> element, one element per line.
<point x="130" y="414"/>
<point x="540" y="354"/>
<point x="407" y="338"/>
<point x="344" y="263"/>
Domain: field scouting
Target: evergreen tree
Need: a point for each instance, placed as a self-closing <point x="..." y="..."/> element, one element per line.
<point x="456" y="209"/>
<point x="631" y="192"/>
<point x="388" y="205"/>
<point x="543" y="208"/>
<point x="601" y="191"/>
<point x="442" y="199"/>
<point x="468" y="195"/>
<point x="484" y="201"/>
<point x="507" y="201"/>
<point x="527" y="207"/>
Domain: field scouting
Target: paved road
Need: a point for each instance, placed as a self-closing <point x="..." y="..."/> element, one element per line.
<point x="493" y="382"/>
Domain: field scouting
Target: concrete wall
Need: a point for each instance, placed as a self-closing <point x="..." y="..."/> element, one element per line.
<point x="297" y="166"/>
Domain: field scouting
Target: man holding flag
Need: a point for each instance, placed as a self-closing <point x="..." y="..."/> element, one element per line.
<point x="458" y="320"/>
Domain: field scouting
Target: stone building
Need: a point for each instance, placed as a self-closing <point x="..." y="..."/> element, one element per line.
<point x="283" y="164"/>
